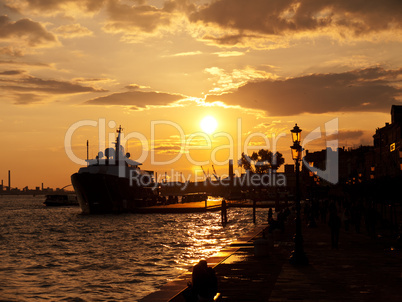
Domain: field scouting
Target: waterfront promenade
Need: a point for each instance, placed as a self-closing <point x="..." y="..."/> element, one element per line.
<point x="362" y="269"/>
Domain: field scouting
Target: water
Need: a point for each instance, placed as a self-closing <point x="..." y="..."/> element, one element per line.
<point x="57" y="254"/>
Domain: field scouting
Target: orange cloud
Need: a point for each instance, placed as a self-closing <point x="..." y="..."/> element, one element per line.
<point x="73" y="31"/>
<point x="123" y="17"/>
<point x="26" y="89"/>
<point x="372" y="89"/>
<point x="58" y="5"/>
<point x="137" y="99"/>
<point x="279" y="18"/>
<point x="25" y="29"/>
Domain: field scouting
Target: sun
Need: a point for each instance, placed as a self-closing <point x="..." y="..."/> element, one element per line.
<point x="208" y="124"/>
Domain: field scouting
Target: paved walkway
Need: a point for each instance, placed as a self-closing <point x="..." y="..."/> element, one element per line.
<point x="362" y="269"/>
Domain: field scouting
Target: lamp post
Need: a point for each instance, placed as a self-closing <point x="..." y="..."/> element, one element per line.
<point x="298" y="256"/>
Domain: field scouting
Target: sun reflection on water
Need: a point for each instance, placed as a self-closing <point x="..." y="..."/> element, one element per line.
<point x="126" y="256"/>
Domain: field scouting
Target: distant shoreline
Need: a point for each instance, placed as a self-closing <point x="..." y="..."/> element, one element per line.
<point x="34" y="193"/>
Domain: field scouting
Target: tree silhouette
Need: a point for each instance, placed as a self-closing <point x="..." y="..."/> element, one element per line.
<point x="261" y="162"/>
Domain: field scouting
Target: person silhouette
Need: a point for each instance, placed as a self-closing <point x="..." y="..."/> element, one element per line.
<point x="270" y="214"/>
<point x="204" y="284"/>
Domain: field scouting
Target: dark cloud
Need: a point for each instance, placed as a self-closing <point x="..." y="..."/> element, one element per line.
<point x="345" y="138"/>
<point x="26" y="89"/>
<point x="131" y="15"/>
<point x="179" y="5"/>
<point x="350" y="134"/>
<point x="32" y="84"/>
<point x="229" y="39"/>
<point x="133" y="87"/>
<point x="12" y="62"/>
<point x="273" y="17"/>
<point x="33" y="32"/>
<point x="11" y="72"/>
<point x="342" y="135"/>
<point x="136" y="99"/>
<point x="370" y="89"/>
<point x="249" y="19"/>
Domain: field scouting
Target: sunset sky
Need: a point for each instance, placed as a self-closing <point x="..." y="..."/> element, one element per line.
<point x="257" y="65"/>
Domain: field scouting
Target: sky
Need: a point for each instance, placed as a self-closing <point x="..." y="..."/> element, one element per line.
<point x="74" y="70"/>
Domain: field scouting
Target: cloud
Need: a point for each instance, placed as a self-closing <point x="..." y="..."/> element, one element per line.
<point x="11" y="62"/>
<point x="371" y="89"/>
<point x="186" y="54"/>
<point x="167" y="149"/>
<point x="137" y="99"/>
<point x="276" y="18"/>
<point x="350" y="134"/>
<point x="31" y="83"/>
<point x="11" y="51"/>
<point x="52" y="6"/>
<point x="27" y="89"/>
<point x="73" y="31"/>
<point x="26" y="98"/>
<point x="236" y="22"/>
<point x="225" y="54"/>
<point x="145" y="18"/>
<point x="11" y="72"/>
<point x="227" y="81"/>
<point x="30" y="31"/>
<point x="345" y="138"/>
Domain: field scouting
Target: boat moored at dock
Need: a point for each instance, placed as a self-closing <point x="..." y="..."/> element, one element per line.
<point x="113" y="183"/>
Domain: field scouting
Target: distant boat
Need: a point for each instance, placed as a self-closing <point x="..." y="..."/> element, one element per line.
<point x="61" y="200"/>
<point x="113" y="183"/>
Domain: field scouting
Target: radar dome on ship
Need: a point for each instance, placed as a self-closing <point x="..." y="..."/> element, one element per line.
<point x="109" y="152"/>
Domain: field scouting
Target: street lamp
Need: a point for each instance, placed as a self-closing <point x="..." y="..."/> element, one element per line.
<point x="296" y="134"/>
<point x="298" y="256"/>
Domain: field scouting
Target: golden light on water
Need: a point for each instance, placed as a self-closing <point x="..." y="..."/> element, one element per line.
<point x="208" y="124"/>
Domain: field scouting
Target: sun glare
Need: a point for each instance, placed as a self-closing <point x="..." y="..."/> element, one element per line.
<point x="208" y="124"/>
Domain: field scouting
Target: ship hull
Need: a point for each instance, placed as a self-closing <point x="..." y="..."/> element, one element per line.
<point x="103" y="193"/>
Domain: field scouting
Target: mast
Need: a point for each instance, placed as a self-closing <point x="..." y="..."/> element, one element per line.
<point x="117" y="151"/>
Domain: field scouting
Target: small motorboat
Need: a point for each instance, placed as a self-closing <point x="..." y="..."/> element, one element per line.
<point x="60" y="199"/>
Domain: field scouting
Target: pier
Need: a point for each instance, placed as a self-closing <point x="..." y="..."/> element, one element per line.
<point x="202" y="206"/>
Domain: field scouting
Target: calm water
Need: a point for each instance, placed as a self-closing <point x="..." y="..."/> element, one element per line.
<point x="57" y="254"/>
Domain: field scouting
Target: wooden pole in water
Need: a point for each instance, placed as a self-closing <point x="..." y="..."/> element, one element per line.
<point x="224" y="216"/>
